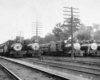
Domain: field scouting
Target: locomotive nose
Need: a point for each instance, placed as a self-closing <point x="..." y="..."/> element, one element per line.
<point x="94" y="46"/>
<point x="77" y="46"/>
<point x="35" y="46"/>
<point x="17" y="47"/>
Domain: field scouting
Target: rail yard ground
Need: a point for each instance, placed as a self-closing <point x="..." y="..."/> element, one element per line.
<point x="66" y="61"/>
<point x="88" y="67"/>
<point x="26" y="73"/>
<point x="53" y="71"/>
<point x="85" y="59"/>
<point x="4" y="76"/>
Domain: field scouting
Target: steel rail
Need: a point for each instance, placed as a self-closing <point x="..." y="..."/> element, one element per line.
<point x="62" y="75"/>
<point x="77" y="61"/>
<point x="10" y="73"/>
<point x="83" y="69"/>
<point x="82" y="62"/>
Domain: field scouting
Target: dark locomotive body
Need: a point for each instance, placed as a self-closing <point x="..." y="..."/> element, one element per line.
<point x="58" y="48"/>
<point x="28" y="49"/>
<point x="33" y="49"/>
<point x="63" y="48"/>
<point x="13" y="48"/>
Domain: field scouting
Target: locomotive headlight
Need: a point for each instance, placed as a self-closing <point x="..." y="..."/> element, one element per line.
<point x="35" y="46"/>
<point x="65" y="41"/>
<point x="94" y="46"/>
<point x="17" y="46"/>
<point x="77" y="46"/>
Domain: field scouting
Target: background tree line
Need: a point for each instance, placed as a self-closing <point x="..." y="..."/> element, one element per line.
<point x="62" y="31"/>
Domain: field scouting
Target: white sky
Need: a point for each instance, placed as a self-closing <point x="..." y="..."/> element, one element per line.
<point x="18" y="15"/>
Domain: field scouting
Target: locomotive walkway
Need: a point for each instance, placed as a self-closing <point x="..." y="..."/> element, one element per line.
<point x="47" y="70"/>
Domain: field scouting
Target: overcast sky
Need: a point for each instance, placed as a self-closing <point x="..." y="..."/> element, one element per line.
<point x="18" y="15"/>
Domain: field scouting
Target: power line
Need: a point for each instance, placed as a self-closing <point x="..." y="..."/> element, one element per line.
<point x="38" y="28"/>
<point x="71" y="15"/>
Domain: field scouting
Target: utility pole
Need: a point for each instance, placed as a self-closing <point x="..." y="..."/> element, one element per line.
<point x="20" y="35"/>
<point x="37" y="29"/>
<point x="72" y="17"/>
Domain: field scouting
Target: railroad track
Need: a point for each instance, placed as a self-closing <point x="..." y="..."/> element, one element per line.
<point x="97" y="63"/>
<point x="78" y="61"/>
<point x="27" y="73"/>
<point x="62" y="75"/>
<point x="78" y="68"/>
<point x="59" y="75"/>
<point x="84" y="62"/>
<point x="9" y="72"/>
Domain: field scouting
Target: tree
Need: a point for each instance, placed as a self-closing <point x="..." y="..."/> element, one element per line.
<point x="84" y="35"/>
<point x="27" y="41"/>
<point x="57" y="32"/>
<point x="33" y="38"/>
<point x="96" y="26"/>
<point x="40" y="39"/>
<point x="63" y="31"/>
<point x="85" y="32"/>
<point x="97" y="35"/>
<point x="19" y="38"/>
<point x="49" y="37"/>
